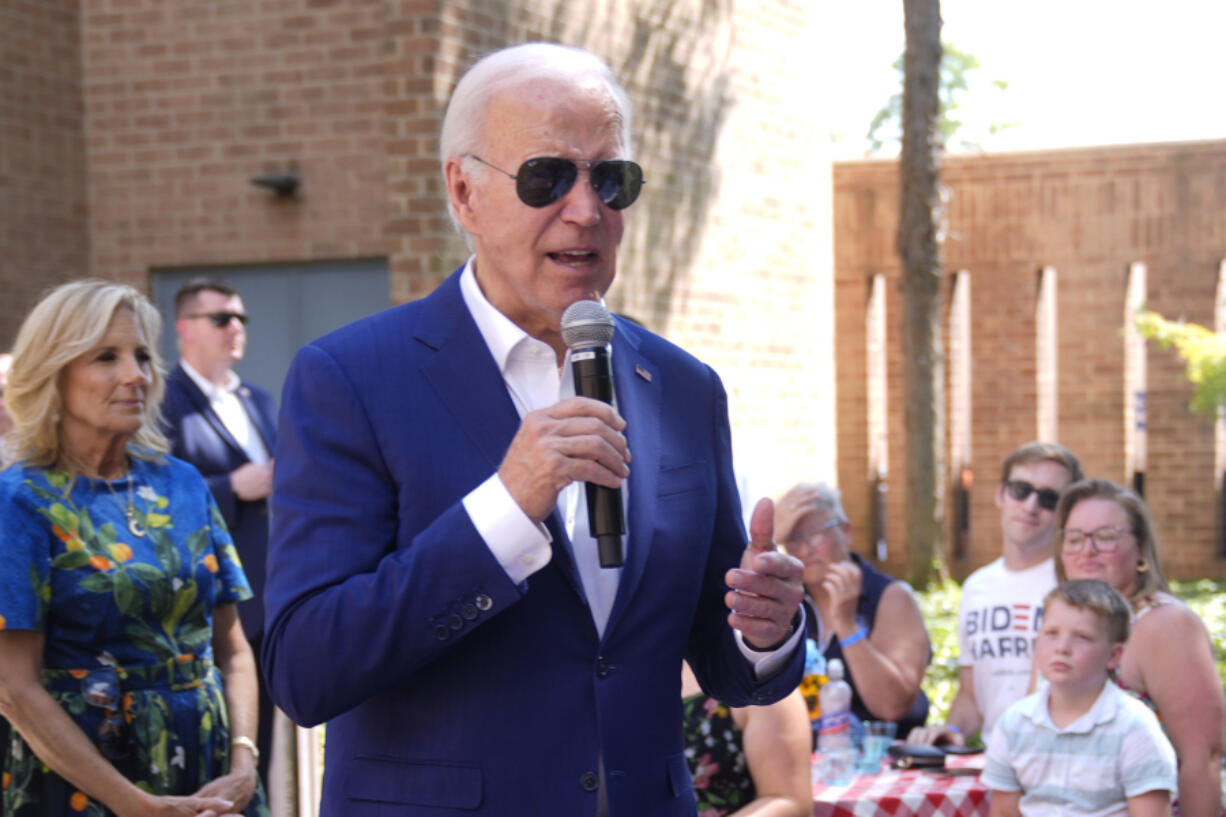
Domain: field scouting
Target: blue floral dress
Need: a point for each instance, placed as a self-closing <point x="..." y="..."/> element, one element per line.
<point x="128" y="621"/>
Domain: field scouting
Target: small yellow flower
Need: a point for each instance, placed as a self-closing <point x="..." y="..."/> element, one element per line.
<point x="210" y="562"/>
<point x="120" y="552"/>
<point x="101" y="562"/>
<point x="79" y="801"/>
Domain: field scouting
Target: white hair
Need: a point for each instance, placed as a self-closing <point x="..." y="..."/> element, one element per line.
<point x="464" y="120"/>
<point x="827" y="499"/>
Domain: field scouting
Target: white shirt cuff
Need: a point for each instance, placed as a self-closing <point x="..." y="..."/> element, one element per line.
<point x="766" y="664"/>
<point x="520" y="545"/>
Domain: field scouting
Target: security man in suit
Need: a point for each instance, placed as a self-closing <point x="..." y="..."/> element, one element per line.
<point x="226" y="427"/>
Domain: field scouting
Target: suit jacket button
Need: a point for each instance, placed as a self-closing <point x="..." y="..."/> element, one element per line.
<point x="603" y="668"/>
<point x="469" y="611"/>
<point x="589" y="781"/>
<point x="484" y="602"/>
<point x="455" y="622"/>
<point x="441" y="632"/>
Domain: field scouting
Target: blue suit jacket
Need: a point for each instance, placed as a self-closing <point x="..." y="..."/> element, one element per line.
<point x="198" y="436"/>
<point x="447" y="688"/>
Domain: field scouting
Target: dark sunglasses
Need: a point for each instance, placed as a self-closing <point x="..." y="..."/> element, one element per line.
<point x="543" y="180"/>
<point x="221" y="319"/>
<point x="100" y="688"/>
<point x="1020" y="490"/>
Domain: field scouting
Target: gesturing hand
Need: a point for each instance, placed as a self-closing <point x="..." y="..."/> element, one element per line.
<point x="576" y="440"/>
<point x="766" y="588"/>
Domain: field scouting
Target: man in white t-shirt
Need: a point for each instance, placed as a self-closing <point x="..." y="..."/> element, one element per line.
<point x="1002" y="602"/>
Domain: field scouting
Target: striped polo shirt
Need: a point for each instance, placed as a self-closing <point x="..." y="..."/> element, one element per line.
<point x="1115" y="751"/>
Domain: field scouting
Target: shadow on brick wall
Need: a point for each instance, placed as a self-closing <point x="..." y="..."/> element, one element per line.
<point x="675" y="64"/>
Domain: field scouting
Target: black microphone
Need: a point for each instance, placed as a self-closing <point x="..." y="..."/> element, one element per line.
<point x="587" y="328"/>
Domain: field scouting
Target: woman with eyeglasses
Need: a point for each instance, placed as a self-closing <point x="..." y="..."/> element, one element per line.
<point x="858" y="614"/>
<point x="123" y="668"/>
<point x="1105" y="532"/>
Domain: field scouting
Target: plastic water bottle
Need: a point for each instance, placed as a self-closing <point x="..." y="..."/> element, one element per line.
<point x="834" y="738"/>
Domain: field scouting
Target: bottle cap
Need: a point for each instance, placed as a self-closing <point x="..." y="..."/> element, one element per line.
<point x="834" y="670"/>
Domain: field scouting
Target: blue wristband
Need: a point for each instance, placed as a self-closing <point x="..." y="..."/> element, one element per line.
<point x="855" y="638"/>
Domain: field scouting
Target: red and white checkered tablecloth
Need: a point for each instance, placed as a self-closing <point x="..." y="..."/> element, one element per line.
<point x="910" y="793"/>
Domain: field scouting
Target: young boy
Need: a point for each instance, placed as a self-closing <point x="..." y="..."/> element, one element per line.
<point x="1080" y="745"/>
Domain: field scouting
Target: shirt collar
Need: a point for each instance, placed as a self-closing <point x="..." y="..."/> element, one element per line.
<point x="499" y="332"/>
<point x="210" y="389"/>
<point x="1036" y="709"/>
<point x="502" y="335"/>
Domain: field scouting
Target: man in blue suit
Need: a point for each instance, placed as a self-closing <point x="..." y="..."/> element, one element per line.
<point x="226" y="427"/>
<point x="434" y="592"/>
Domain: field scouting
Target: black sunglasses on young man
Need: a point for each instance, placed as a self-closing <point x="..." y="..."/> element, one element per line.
<point x="1020" y="489"/>
<point x="221" y="319"/>
<point x="543" y="180"/>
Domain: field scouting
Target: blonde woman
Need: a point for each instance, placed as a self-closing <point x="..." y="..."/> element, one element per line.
<point x="123" y="668"/>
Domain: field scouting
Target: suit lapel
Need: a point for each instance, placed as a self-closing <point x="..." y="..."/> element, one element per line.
<point x="466" y="379"/>
<point x="205" y="408"/>
<point x="636" y="382"/>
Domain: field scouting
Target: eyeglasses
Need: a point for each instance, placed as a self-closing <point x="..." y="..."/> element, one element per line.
<point x="1106" y="539"/>
<point x="220" y="319"/>
<point x="810" y="538"/>
<point x="543" y="180"/>
<point x="100" y="688"/>
<point x="1021" y="490"/>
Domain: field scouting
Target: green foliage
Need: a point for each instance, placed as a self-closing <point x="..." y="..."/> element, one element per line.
<point x="956" y="69"/>
<point x="939" y="606"/>
<point x="1203" y="350"/>
<point x="1207" y="599"/>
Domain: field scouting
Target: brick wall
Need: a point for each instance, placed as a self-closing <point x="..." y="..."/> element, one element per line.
<point x="43" y="233"/>
<point x="1090" y="214"/>
<point x="186" y="101"/>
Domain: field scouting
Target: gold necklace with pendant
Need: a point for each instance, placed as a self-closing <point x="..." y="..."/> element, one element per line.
<point x="129" y="510"/>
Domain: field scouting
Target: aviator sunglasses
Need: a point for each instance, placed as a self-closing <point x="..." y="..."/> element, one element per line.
<point x="1020" y="490"/>
<point x="543" y="180"/>
<point x="220" y="319"/>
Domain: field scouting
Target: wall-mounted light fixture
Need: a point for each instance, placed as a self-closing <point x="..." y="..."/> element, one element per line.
<point x="285" y="185"/>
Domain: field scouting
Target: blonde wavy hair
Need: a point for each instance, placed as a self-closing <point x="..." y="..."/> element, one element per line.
<point x="68" y="322"/>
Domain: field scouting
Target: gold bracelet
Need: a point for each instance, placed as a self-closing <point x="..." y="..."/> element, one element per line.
<point x="247" y="743"/>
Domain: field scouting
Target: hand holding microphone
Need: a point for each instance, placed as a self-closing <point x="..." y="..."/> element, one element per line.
<point x="576" y="440"/>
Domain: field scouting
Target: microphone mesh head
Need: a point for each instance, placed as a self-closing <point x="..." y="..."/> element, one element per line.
<point x="586" y="324"/>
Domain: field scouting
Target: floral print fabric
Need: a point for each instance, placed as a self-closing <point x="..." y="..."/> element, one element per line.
<point x="716" y="757"/>
<point x="137" y="607"/>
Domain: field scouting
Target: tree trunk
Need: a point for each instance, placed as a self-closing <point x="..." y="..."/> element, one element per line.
<point x="920" y="251"/>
